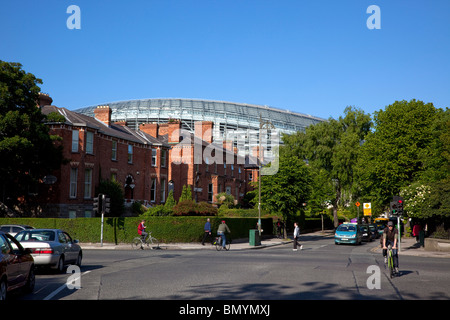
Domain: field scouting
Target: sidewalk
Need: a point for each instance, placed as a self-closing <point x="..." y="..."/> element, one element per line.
<point x="236" y="244"/>
<point x="408" y="245"/>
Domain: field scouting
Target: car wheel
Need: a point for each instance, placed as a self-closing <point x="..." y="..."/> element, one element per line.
<point x="60" y="266"/>
<point x="31" y="281"/>
<point x="78" y="262"/>
<point x="3" y="289"/>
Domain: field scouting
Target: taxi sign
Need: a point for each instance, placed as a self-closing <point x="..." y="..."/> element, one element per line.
<point x="367" y="209"/>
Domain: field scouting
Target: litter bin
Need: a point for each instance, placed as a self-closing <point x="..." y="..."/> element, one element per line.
<point x="254" y="238"/>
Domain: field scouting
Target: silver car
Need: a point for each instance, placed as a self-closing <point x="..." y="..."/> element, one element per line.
<point x="51" y="247"/>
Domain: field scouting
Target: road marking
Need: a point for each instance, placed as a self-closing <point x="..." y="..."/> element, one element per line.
<point x="54" y="293"/>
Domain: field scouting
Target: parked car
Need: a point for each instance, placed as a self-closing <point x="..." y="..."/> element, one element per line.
<point x="348" y="233"/>
<point x="16" y="266"/>
<point x="51" y="247"/>
<point x="365" y="232"/>
<point x="13" y="229"/>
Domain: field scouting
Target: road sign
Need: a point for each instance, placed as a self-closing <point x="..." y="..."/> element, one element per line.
<point x="367" y="209"/>
<point x="357" y="204"/>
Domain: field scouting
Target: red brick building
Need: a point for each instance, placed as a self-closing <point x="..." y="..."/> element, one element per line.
<point x="95" y="150"/>
<point x="148" y="163"/>
<point x="209" y="168"/>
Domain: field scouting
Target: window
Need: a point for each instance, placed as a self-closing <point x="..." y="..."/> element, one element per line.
<point x="114" y="150"/>
<point x="73" y="182"/>
<point x="153" y="191"/>
<point x="154" y="153"/>
<point x="228" y="190"/>
<point x="130" y="153"/>
<point x="113" y="176"/>
<point x="210" y="192"/>
<point x="75" y="140"/>
<point x="87" y="183"/>
<point x="250" y="176"/>
<point x="163" y="190"/>
<point x="163" y="158"/>
<point x="89" y="142"/>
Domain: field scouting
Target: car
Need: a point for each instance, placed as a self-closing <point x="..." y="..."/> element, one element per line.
<point x="366" y="233"/>
<point x="52" y="248"/>
<point x="16" y="266"/>
<point x="13" y="229"/>
<point x="348" y="233"/>
<point x="374" y="230"/>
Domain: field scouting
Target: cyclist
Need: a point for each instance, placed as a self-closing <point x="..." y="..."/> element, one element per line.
<point x="141" y="230"/>
<point x="221" y="232"/>
<point x="390" y="236"/>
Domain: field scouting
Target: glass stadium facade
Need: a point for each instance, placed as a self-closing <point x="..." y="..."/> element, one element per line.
<point x="227" y="116"/>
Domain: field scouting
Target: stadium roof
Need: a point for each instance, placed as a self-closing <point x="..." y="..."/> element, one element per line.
<point x="231" y="114"/>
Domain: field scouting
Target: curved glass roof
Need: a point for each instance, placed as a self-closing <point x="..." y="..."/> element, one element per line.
<point x="228" y="114"/>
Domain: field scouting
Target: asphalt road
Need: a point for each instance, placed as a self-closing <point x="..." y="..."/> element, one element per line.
<point x="321" y="270"/>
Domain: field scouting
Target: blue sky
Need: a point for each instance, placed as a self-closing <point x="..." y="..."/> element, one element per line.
<point x="314" y="57"/>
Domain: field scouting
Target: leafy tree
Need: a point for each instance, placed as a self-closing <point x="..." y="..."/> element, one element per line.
<point x="393" y="155"/>
<point x="27" y="152"/>
<point x="285" y="192"/>
<point x="332" y="148"/>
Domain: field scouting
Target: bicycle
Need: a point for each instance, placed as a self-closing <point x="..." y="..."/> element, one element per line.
<point x="390" y="262"/>
<point x="218" y="243"/>
<point x="141" y="242"/>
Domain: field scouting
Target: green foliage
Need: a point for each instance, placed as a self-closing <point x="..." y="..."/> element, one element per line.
<point x="27" y="152"/>
<point x="123" y="230"/>
<point x="286" y="191"/>
<point x="190" y="208"/>
<point x="393" y="155"/>
<point x="186" y="193"/>
<point x="226" y="199"/>
<point x="114" y="191"/>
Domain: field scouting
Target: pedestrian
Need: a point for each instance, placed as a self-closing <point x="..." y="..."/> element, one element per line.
<point x="296" y="236"/>
<point x="416" y="231"/>
<point x="207" y="231"/>
<point x="279" y="226"/>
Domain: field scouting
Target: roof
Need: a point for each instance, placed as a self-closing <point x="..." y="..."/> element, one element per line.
<point x="114" y="130"/>
<point x="241" y="114"/>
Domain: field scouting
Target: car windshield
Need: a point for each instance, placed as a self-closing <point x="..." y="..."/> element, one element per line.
<point x="42" y="235"/>
<point x="346" y="227"/>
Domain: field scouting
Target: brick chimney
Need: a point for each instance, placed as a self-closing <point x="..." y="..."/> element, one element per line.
<point x="103" y="113"/>
<point x="204" y="130"/>
<point x="172" y="127"/>
<point x="150" y="128"/>
<point x="44" y="100"/>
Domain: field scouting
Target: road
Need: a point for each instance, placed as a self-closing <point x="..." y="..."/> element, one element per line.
<point x="321" y="270"/>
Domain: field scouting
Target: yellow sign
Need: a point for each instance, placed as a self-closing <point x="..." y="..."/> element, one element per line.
<point x="367" y="209"/>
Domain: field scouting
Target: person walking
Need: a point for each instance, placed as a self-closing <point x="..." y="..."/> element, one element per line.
<point x="207" y="231"/>
<point x="296" y="236"/>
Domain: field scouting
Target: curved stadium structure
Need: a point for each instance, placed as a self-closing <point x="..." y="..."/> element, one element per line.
<point x="239" y="117"/>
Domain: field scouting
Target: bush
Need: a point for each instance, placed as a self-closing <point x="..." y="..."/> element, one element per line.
<point x="190" y="208"/>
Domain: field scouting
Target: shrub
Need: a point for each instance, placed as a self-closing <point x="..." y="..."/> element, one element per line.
<point x="185" y="208"/>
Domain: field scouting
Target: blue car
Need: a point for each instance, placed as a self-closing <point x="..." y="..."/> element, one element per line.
<point x="348" y="233"/>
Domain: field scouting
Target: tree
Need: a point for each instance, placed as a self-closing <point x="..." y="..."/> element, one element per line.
<point x="393" y="155"/>
<point x="332" y="148"/>
<point x="285" y="192"/>
<point x="27" y="152"/>
<point x="186" y="193"/>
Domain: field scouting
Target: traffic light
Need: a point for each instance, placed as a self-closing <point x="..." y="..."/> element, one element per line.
<point x="96" y="205"/>
<point x="397" y="205"/>
<point x="106" y="204"/>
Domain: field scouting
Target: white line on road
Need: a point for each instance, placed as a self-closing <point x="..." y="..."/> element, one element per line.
<point x="54" y="293"/>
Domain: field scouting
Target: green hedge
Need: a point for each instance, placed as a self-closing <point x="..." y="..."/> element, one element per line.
<point x="123" y="230"/>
